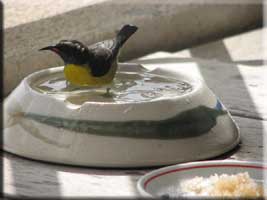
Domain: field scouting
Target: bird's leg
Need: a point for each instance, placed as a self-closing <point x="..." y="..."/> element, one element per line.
<point x="108" y="92"/>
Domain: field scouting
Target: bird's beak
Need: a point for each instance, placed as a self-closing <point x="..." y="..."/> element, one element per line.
<point x="51" y="48"/>
<point x="47" y="48"/>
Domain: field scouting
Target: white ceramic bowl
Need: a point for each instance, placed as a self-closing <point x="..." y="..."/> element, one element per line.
<point x="166" y="181"/>
<point x="162" y="131"/>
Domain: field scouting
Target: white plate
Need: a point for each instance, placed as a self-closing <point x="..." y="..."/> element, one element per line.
<point x="166" y="181"/>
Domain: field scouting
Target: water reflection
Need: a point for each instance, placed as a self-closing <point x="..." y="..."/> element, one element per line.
<point x="126" y="87"/>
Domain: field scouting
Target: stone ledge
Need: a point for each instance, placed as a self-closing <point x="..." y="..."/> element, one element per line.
<point x="162" y="26"/>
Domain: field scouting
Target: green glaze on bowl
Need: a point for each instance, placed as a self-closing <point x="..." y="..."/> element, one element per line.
<point x="190" y="123"/>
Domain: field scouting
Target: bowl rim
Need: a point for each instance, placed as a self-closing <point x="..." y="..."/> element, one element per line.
<point x="143" y="182"/>
<point x="196" y="82"/>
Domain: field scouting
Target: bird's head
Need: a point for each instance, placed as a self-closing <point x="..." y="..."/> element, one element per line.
<point x="71" y="51"/>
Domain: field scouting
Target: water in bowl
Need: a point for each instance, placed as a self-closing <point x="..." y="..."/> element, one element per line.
<point x="126" y="87"/>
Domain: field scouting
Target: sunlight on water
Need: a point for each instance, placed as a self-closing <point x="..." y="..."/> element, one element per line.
<point x="126" y="87"/>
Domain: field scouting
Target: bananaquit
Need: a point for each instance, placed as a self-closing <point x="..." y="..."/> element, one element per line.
<point x="93" y="65"/>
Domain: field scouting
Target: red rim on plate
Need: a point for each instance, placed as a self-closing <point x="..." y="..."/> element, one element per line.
<point x="147" y="179"/>
<point x="203" y="166"/>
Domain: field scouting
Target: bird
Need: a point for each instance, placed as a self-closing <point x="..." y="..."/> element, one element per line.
<point x="93" y="65"/>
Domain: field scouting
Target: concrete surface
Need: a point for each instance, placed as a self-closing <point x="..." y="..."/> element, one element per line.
<point x="242" y="53"/>
<point x="162" y="26"/>
<point x="18" y="12"/>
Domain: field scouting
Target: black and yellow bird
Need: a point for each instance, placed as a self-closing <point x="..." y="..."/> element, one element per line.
<point x="93" y="65"/>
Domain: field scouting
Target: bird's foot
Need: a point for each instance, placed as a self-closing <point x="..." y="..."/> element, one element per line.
<point x="108" y="93"/>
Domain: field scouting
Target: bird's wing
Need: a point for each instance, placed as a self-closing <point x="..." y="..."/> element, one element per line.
<point x="102" y="57"/>
<point x="101" y="61"/>
<point x="103" y="54"/>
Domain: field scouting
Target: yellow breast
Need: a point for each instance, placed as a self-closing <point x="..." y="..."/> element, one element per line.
<point x="82" y="76"/>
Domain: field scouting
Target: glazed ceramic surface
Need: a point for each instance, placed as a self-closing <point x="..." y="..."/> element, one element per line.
<point x="118" y="132"/>
<point x="167" y="181"/>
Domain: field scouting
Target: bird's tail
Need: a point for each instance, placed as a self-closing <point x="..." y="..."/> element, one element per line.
<point x="125" y="32"/>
